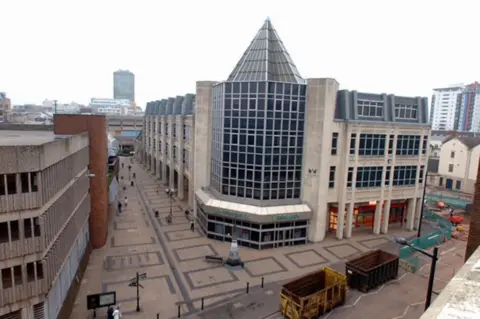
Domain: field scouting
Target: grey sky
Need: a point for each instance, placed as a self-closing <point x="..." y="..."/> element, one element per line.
<point x="68" y="50"/>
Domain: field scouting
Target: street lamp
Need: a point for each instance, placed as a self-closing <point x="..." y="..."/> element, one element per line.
<point x="402" y="241"/>
<point x="170" y="193"/>
<point x="419" y="232"/>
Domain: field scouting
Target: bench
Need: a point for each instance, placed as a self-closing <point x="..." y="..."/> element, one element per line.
<point x="214" y="259"/>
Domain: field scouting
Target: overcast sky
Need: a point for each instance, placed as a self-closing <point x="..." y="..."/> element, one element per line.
<point x="68" y="50"/>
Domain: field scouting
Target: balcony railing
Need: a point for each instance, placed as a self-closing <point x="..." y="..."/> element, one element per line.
<point x="20" y="201"/>
<point x="22" y="292"/>
<point x="18" y="248"/>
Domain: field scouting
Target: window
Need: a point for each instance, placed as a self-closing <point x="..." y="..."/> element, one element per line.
<point x="184" y="132"/>
<point x="370" y="108"/>
<point x="166" y="149"/>
<point x="406" y="111"/>
<point x="425" y="144"/>
<point x="420" y="177"/>
<point x="369" y="176"/>
<point x="175" y="152"/>
<point x="452" y="154"/>
<point x="353" y="141"/>
<point x="174" y="130"/>
<point x="24" y="182"/>
<point x="404" y="175"/>
<point x="331" y="181"/>
<point x="450" y="168"/>
<point x="166" y="129"/>
<point x="440" y="181"/>
<point x="371" y="145"/>
<point x="391" y="140"/>
<point x="11" y="184"/>
<point x="408" y="145"/>
<point x="388" y="173"/>
<point x="2" y="185"/>
<point x="349" y="177"/>
<point x="458" y="185"/>
<point x="334" y="143"/>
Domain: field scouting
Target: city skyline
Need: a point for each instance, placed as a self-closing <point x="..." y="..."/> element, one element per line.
<point x="346" y="54"/>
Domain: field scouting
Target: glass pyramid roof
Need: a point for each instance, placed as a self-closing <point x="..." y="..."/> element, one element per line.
<point x="266" y="59"/>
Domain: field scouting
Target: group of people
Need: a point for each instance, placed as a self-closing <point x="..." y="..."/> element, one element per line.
<point x="114" y="313"/>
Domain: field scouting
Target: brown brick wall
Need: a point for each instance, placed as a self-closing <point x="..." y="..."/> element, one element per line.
<point x="474" y="232"/>
<point x="95" y="125"/>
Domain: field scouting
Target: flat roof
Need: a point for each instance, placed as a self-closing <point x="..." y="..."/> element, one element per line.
<point x="25" y="138"/>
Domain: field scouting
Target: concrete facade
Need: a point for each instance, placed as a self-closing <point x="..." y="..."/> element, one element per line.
<point x="95" y="126"/>
<point x="44" y="206"/>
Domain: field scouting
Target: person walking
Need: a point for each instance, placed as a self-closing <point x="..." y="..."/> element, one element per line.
<point x="129" y="168"/>
<point x="133" y="175"/>
<point x="110" y="313"/>
<point x="125" y="201"/>
<point x="192" y="225"/>
<point x="119" y="206"/>
<point x="117" y="314"/>
<point x="122" y="165"/>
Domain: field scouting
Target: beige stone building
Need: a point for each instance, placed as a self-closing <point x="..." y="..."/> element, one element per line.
<point x="277" y="160"/>
<point x="44" y="209"/>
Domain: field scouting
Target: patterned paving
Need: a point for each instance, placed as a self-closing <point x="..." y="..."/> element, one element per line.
<point x="173" y="258"/>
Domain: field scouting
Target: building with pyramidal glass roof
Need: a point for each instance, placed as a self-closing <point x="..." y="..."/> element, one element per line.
<point x="273" y="159"/>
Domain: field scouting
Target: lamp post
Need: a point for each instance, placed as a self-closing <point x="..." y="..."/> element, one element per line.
<point x="419" y="232"/>
<point x="170" y="193"/>
<point x="402" y="241"/>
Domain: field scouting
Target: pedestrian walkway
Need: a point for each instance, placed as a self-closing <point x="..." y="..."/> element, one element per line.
<point x="172" y="256"/>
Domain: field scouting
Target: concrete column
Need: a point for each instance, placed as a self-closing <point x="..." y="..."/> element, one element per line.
<point x="386" y="216"/>
<point x="411" y="213"/>
<point x="202" y="136"/>
<point x="378" y="217"/>
<point x="341" y="220"/>
<point x="191" y="193"/>
<point x="319" y="112"/>
<point x="418" y="211"/>
<point x="349" y="224"/>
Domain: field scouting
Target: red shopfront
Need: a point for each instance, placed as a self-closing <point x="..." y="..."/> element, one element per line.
<point x="364" y="215"/>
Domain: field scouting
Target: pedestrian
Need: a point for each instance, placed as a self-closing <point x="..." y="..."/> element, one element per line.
<point x="129" y="168"/>
<point x="131" y="183"/>
<point x="125" y="201"/>
<point x="134" y="175"/>
<point x="186" y="213"/>
<point x="119" y="207"/>
<point x="110" y="313"/>
<point x="192" y="225"/>
<point x="122" y="165"/>
<point x="117" y="314"/>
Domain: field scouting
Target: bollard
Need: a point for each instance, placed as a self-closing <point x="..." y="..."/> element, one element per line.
<point x="158" y="316"/>
<point x="248" y="286"/>
<point x="179" y="311"/>
<point x="262" y="282"/>
<point x="202" y="303"/>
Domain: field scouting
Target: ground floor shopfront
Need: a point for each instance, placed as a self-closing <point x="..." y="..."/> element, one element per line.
<point x="377" y="216"/>
<point x="250" y="233"/>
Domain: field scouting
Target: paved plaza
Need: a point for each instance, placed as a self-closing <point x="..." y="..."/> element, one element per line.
<point x="172" y="256"/>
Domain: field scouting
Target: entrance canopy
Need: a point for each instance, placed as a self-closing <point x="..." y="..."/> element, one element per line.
<point x="257" y="214"/>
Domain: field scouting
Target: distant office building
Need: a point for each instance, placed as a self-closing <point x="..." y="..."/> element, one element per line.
<point x="124" y="85"/>
<point x="456" y="108"/>
<point x="110" y="106"/>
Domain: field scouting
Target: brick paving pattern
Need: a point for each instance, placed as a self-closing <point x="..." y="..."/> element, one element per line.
<point x="172" y="256"/>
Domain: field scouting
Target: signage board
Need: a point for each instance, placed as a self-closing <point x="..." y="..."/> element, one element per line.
<point x="104" y="299"/>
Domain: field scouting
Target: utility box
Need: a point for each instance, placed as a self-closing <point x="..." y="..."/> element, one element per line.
<point x="313" y="294"/>
<point x="371" y="270"/>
